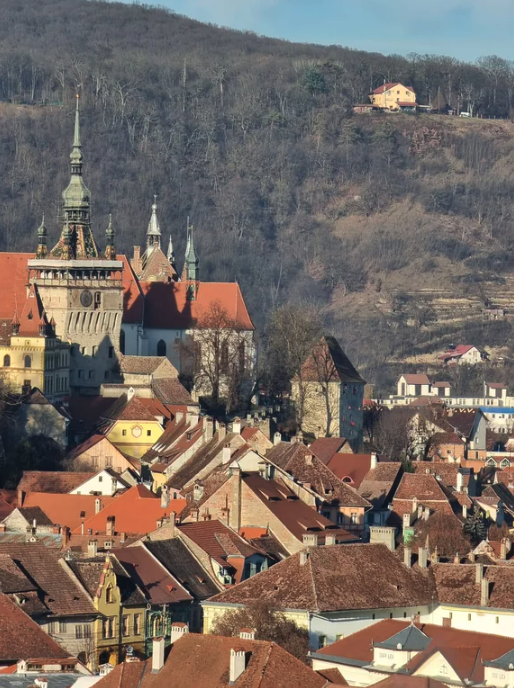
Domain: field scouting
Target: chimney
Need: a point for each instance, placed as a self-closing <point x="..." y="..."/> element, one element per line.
<point x="330" y="540"/>
<point x="456" y="558"/>
<point x="208" y="424"/>
<point x="484" y="592"/>
<point x="472" y="557"/>
<point x="222" y="431"/>
<point x="227" y="453"/>
<point x="426" y="513"/>
<point x="277" y="438"/>
<point x="235" y="511"/>
<point x="460" y="481"/>
<point x="464" y="511"/>
<point x="98" y="505"/>
<point x="423" y="557"/>
<point x="407" y="557"/>
<point x="304" y="555"/>
<point x="21" y="498"/>
<point x="158" y="654"/>
<point x="479" y="573"/>
<point x="92" y="548"/>
<point x="406" y="521"/>
<point x="299" y="437"/>
<point x="178" y="630"/>
<point x="109" y="526"/>
<point x="435" y="556"/>
<point x="165" y="497"/>
<point x="3" y="528"/>
<point x="374" y="460"/>
<point x="247" y="634"/>
<point x="310" y="539"/>
<point x="65" y="536"/>
<point x="136" y="260"/>
<point x="192" y="418"/>
<point x="236" y="426"/>
<point x="237" y="664"/>
<point x="123" y="537"/>
<point x="179" y="417"/>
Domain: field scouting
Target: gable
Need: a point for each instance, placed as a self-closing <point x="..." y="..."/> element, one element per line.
<point x="437" y="666"/>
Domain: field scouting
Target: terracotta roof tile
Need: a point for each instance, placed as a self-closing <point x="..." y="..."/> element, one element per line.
<point x="172" y="392"/>
<point x="133" y="301"/>
<point x="336" y="577"/>
<point x="326" y="447"/>
<point x="13" y="282"/>
<point x="416" y="379"/>
<point x="66" y="509"/>
<point x="350" y="467"/>
<point x="378" y="483"/>
<point x="328" y="360"/>
<point x="217" y="540"/>
<point x="89" y="572"/>
<point x="22" y="638"/>
<point x="128" y="409"/>
<point x="145" y="365"/>
<point x="58" y="482"/>
<point x="167" y="305"/>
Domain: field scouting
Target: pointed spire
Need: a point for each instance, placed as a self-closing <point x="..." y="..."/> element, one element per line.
<point x="110" y="250"/>
<point x="171" y="253"/>
<point x="76" y="151"/>
<point x="153" y="235"/>
<point x="191" y="266"/>
<point x="41" y="240"/>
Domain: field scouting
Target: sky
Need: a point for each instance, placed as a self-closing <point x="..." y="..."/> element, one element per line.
<point x="466" y="29"/>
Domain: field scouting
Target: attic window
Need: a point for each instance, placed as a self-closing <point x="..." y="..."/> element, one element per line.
<point x="346" y="479"/>
<point x="188" y="436"/>
<point x="82" y="514"/>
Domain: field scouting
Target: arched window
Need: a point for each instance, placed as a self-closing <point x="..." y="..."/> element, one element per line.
<point x="109" y="597"/>
<point x="28" y="361"/>
<point x="224" y="358"/>
<point x="161" y="348"/>
<point x="7" y="361"/>
<point x="122" y="341"/>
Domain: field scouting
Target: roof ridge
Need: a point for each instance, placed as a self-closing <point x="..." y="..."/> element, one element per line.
<point x="315" y="592"/>
<point x="265" y="664"/>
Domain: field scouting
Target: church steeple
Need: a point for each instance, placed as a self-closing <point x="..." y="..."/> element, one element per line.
<point x="153" y="235"/>
<point x="110" y="248"/>
<point x="191" y="270"/>
<point x="41" y="240"/>
<point x="77" y="239"/>
<point x="171" y="253"/>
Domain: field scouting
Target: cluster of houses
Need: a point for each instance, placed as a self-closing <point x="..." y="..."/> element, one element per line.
<point x="118" y="570"/>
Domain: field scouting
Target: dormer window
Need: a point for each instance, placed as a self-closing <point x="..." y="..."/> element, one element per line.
<point x="109" y="595"/>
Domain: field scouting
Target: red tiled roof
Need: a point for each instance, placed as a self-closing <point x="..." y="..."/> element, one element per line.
<point x="203" y="661"/>
<point x="442" y="385"/>
<point x="152" y="578"/>
<point x="32" y="314"/>
<point x="457" y="352"/>
<point x="133" y="301"/>
<point x="328" y="362"/>
<point x="295" y="515"/>
<point x="416" y="379"/>
<point x="167" y="305"/>
<point x="326" y="447"/>
<point x="466" y="651"/>
<point x="496" y="385"/>
<point x="66" y="509"/>
<point x="401" y="681"/>
<point x="352" y="466"/>
<point x="129" y="409"/>
<point x="334" y="578"/>
<point x="57" y="482"/>
<point x="13" y="283"/>
<point x="136" y="511"/>
<point x="387" y="86"/>
<point x="22" y="638"/>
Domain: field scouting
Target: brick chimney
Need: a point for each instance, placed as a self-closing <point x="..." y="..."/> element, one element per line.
<point x="310" y="539"/>
<point x="237" y="664"/>
<point x="198" y="491"/>
<point x="136" y="262"/>
<point x="21" y="498"/>
<point x="460" y="481"/>
<point x="98" y="505"/>
<point x="158" y="647"/>
<point x="165" y="496"/>
<point x="484" y="592"/>
<point x="304" y="555"/>
<point x="109" y="526"/>
<point x="92" y="548"/>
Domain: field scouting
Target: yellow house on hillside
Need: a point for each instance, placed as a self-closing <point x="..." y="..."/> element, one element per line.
<point x="130" y="425"/>
<point x="31" y="355"/>
<point x="120" y="603"/>
<point x="393" y="96"/>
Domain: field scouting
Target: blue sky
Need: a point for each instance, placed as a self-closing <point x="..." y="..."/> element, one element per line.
<point x="465" y="29"/>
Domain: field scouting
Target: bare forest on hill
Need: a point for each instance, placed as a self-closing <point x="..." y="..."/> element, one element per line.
<point x="377" y="222"/>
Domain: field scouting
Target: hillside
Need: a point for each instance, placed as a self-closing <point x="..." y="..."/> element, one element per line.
<point x="399" y="228"/>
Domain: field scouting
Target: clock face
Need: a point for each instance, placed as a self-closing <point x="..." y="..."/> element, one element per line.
<point x="137" y="431"/>
<point x="86" y="298"/>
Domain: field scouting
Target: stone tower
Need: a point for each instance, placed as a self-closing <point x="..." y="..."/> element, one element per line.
<point x="81" y="289"/>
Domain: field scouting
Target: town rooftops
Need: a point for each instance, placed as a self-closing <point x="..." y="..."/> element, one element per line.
<point x="89" y="572"/>
<point x="466" y="652"/>
<point x="334" y="578"/>
<point x="456" y="352"/>
<point x="58" y="482"/>
<point x="133" y="299"/>
<point x="350" y="468"/>
<point x="69" y="510"/>
<point x="204" y="661"/>
<point x="378" y="483"/>
<point x="125" y="408"/>
<point x="23" y="638"/>
<point x="146" y="365"/>
<point x="167" y="305"/>
<point x="456" y="585"/>
<point x="135" y="511"/>
<point x="326" y="447"/>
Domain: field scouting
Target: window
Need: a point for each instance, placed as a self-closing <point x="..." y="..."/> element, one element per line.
<point x="109" y="597"/>
<point x="100" y="478"/>
<point x="94" y="350"/>
<point x="87" y="631"/>
<point x="322" y="641"/>
<point x="148" y="433"/>
<point x="62" y="626"/>
<point x="353" y="518"/>
<point x="373" y="616"/>
<point x="91" y="374"/>
<point x="497" y="619"/>
<point x="391" y="615"/>
<point x="7" y="361"/>
<point x="83" y="351"/>
<point x="81" y="374"/>
<point x="109" y="626"/>
<point x="125" y="625"/>
<point x="106" y="374"/>
<point x="98" y="299"/>
<point x="28" y="361"/>
<point x="78" y="632"/>
<point x="161" y="348"/>
<point x="122" y="342"/>
<point x="124" y="433"/>
<point x="137" y="624"/>
<point x="469" y="617"/>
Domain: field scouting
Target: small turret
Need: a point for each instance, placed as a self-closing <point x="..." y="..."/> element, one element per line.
<point x="41" y="240"/>
<point x="191" y="271"/>
<point x="110" y="248"/>
<point x="171" y="253"/>
<point x="153" y="235"/>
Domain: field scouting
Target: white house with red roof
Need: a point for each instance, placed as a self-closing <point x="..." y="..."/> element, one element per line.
<point x="463" y="354"/>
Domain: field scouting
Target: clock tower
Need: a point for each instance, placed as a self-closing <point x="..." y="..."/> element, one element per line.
<point x="80" y="288"/>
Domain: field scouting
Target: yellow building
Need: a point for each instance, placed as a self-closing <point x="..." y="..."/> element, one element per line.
<point x="131" y="427"/>
<point x="394" y="96"/>
<point x="121" y="604"/>
<point x="32" y="356"/>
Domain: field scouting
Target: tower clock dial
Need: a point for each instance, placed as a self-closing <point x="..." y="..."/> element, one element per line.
<point x="86" y="298"/>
